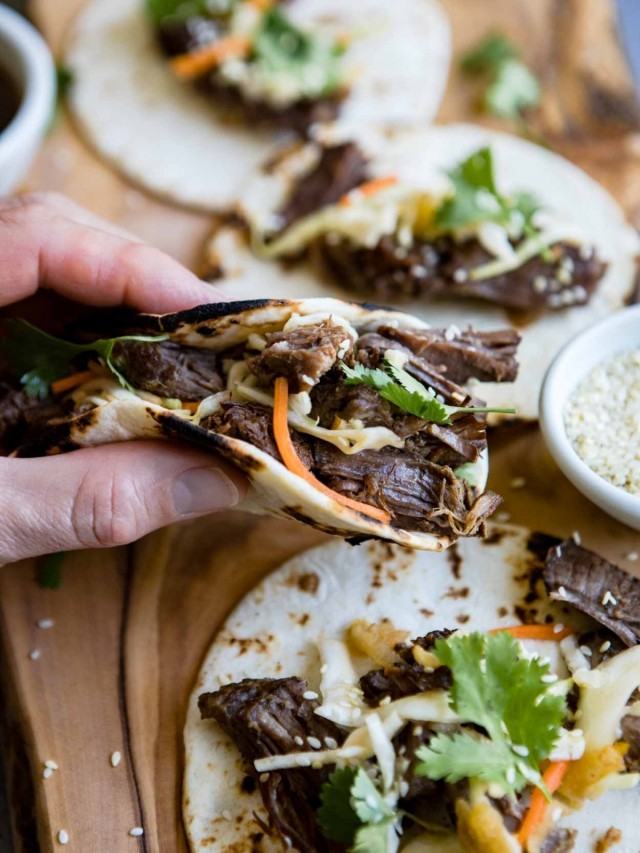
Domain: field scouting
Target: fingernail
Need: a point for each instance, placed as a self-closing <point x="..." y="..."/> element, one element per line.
<point x="202" y="490"/>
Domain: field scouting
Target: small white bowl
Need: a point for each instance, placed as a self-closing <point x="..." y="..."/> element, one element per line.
<point x="25" y="55"/>
<point x="615" y="334"/>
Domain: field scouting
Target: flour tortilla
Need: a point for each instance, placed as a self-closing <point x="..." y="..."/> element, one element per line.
<point x="419" y="158"/>
<point x="319" y="593"/>
<point x="274" y="489"/>
<point x="166" y="137"/>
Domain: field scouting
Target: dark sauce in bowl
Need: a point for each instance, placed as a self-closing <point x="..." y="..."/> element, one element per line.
<point x="10" y="98"/>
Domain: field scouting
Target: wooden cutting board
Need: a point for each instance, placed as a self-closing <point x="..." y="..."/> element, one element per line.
<point x="131" y="625"/>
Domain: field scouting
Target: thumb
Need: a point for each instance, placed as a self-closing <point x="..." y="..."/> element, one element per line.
<point x="104" y="496"/>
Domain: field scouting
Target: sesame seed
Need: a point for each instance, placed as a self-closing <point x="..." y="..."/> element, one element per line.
<point x="45" y="623"/>
<point x="50" y="764"/>
<point x="576" y="537"/>
<point x="35" y="654"/>
<point x="607" y="598"/>
<point x="331" y="743"/>
<point x="298" y="740"/>
<point x="562" y="592"/>
<point x="460" y="275"/>
<point x="518" y="483"/>
<point x="418" y="731"/>
<point x="47" y="773"/>
<point x="314" y="743"/>
<point x="136" y="832"/>
<point x="520" y="749"/>
<point x="63" y="837"/>
<point x="558" y="628"/>
<point x="633" y="556"/>
<point x="264" y="777"/>
<point x="309" y="694"/>
<point x="324" y="668"/>
<point x="605" y="646"/>
<point x="386" y="700"/>
<point x="115" y="758"/>
<point x="586" y="651"/>
<point x="556" y="814"/>
<point x="540" y="284"/>
<point x="549" y="678"/>
<point x="510" y="775"/>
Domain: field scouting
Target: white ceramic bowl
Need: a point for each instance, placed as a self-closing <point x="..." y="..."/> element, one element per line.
<point x="25" y="55"/>
<point x="617" y="333"/>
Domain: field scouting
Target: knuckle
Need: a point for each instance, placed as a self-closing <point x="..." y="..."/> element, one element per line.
<point x="21" y="209"/>
<point x="106" y="510"/>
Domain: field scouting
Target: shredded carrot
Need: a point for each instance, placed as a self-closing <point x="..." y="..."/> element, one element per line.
<point x="186" y="66"/>
<point x="263" y="5"/>
<point x="69" y="382"/>
<point x="293" y="462"/>
<point x="368" y="188"/>
<point x="191" y="406"/>
<point x="535" y="632"/>
<point x="552" y="777"/>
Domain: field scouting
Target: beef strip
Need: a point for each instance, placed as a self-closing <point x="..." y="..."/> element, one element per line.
<point x="590" y="583"/>
<point x="559" y="840"/>
<point x="402" y="679"/>
<point x="22" y="417"/>
<point x="630" y="726"/>
<point x="303" y="355"/>
<point x="168" y="369"/>
<point x="339" y="169"/>
<point x="440" y="268"/>
<point x="420" y="494"/>
<point x="264" y="717"/>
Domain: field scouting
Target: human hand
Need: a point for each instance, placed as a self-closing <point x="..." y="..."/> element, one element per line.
<point x="110" y="495"/>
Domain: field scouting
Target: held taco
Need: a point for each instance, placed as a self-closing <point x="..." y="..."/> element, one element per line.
<point x="378" y="700"/>
<point x="446" y="219"/>
<point x="175" y="92"/>
<point x="348" y="417"/>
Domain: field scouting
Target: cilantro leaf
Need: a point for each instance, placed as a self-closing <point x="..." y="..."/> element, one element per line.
<point x="367" y="802"/>
<point x="336" y="817"/>
<point x="488" y="55"/>
<point x="161" y="10"/>
<point x="39" y="359"/>
<point x="280" y="47"/>
<point x="513" y="90"/>
<point x="405" y="392"/>
<point x="504" y="693"/>
<point x="511" y="87"/>
<point x="372" y="838"/>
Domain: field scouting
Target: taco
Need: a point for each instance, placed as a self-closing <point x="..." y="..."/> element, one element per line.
<point x="348" y="417"/>
<point x="452" y="221"/>
<point x="181" y="95"/>
<point x="373" y="699"/>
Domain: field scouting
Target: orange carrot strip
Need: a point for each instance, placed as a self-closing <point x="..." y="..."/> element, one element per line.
<point x="69" y="382"/>
<point x="263" y="5"/>
<point x="552" y="777"/>
<point x="293" y="462"/>
<point x="186" y="66"/>
<point x="191" y="406"/>
<point x="368" y="188"/>
<point x="535" y="632"/>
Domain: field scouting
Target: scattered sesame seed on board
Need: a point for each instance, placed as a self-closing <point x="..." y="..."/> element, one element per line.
<point x="63" y="837"/>
<point x="136" y="832"/>
<point x="34" y="654"/>
<point x="115" y="758"/>
<point x="51" y="764"/>
<point x="47" y="773"/>
<point x="45" y="623"/>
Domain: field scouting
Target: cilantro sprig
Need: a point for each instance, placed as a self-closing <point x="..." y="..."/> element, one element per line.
<point x="353" y="812"/>
<point x="511" y="87"/>
<point x="504" y="693"/>
<point x="39" y="359"/>
<point x="476" y="199"/>
<point x="400" y="388"/>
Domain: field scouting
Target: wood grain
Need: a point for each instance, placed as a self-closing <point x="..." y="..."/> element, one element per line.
<point x="132" y="624"/>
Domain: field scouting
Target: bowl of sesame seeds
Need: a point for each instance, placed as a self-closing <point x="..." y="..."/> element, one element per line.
<point x="590" y="414"/>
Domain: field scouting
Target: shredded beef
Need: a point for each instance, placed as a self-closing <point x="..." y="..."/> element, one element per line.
<point x="22" y="417"/>
<point x="582" y="578"/>
<point x="264" y="717"/>
<point x="420" y="494"/>
<point x="303" y="355"/>
<point x="402" y="679"/>
<point x="339" y="169"/>
<point x="559" y="840"/>
<point x="168" y="369"/>
<point x="440" y="268"/>
<point x="630" y="726"/>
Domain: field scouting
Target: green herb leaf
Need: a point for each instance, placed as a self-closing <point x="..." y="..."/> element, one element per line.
<point x="161" y="10"/>
<point x="38" y="359"/>
<point x="506" y="694"/>
<point x="511" y="87"/>
<point x="400" y="388"/>
<point x="336" y="817"/>
<point x="49" y="571"/>
<point x="368" y="803"/>
<point x="513" y="90"/>
<point x="280" y="47"/>
<point x="372" y="838"/>
<point x="489" y="55"/>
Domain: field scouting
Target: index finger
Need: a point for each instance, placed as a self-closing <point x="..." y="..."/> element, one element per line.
<point x="42" y="246"/>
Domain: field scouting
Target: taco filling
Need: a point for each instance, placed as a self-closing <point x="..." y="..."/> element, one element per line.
<point x="457" y="740"/>
<point x="464" y="238"/>
<point x="373" y="414"/>
<point x="252" y="60"/>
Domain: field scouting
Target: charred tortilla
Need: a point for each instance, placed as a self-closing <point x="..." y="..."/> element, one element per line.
<point x="313" y="232"/>
<point x="262" y="683"/>
<point x="170" y="138"/>
<point x="348" y="417"/>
